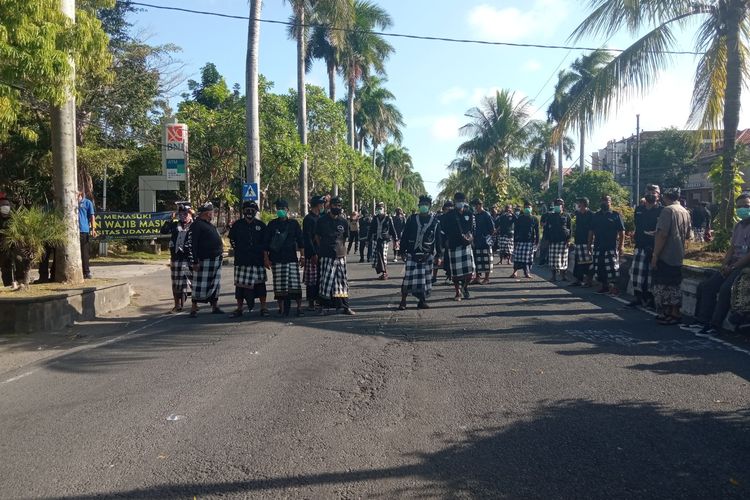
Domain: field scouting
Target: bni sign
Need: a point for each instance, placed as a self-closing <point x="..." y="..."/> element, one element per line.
<point x="174" y="151"/>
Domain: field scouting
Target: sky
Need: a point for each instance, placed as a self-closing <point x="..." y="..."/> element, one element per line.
<point x="434" y="82"/>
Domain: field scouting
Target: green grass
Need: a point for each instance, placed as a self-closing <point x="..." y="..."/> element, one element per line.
<point x="132" y="257"/>
<point x="45" y="289"/>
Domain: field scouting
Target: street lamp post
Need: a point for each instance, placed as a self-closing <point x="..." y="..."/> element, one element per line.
<point x="637" y="158"/>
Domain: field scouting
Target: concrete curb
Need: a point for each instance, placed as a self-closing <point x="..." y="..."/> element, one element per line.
<point x="55" y="312"/>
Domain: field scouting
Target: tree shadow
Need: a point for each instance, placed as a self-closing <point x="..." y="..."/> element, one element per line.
<point x="563" y="449"/>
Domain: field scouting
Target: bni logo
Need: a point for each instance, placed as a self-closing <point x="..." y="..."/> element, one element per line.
<point x="176" y="134"/>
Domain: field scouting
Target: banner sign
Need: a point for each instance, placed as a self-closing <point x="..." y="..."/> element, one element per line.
<point x="174" y="152"/>
<point x="130" y="225"/>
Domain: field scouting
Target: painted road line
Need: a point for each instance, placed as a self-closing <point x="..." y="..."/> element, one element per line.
<point x="18" y="377"/>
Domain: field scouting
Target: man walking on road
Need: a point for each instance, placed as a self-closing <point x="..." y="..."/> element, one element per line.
<point x="557" y="229"/>
<point x="672" y="234"/>
<point x="179" y="260"/>
<point x="525" y="241"/>
<point x="365" y="245"/>
<point x="382" y="231"/>
<point x="607" y="235"/>
<point x="283" y="240"/>
<point x="399" y="222"/>
<point x="206" y="253"/>
<point x="505" y="223"/>
<point x="247" y="237"/>
<point x="353" y="232"/>
<point x="581" y="246"/>
<point x="421" y="245"/>
<point x="640" y="269"/>
<point x="87" y="227"/>
<point x="311" y="274"/>
<point x="458" y="225"/>
<point x="332" y="232"/>
<point x="483" y="234"/>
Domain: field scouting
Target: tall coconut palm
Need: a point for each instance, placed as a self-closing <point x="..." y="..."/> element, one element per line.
<point x="320" y="46"/>
<point x="545" y="149"/>
<point x="497" y="131"/>
<point x="723" y="47"/>
<point x="251" y="84"/>
<point x="395" y="163"/>
<point x="363" y="52"/>
<point x="413" y="183"/>
<point x="555" y="112"/>
<point x="375" y="116"/>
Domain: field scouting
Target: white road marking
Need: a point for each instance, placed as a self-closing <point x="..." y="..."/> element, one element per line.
<point x="17" y="377"/>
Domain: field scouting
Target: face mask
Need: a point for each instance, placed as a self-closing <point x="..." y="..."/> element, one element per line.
<point x="527" y="211"/>
<point x="605" y="207"/>
<point x="335" y="211"/>
<point x="460" y="205"/>
<point x="557" y="209"/>
<point x="423" y="209"/>
<point x="281" y="214"/>
<point x="5" y="209"/>
<point x="249" y="213"/>
<point x="743" y="213"/>
<point x="379" y="211"/>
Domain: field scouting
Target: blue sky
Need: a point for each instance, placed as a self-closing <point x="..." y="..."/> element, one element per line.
<point x="435" y="82"/>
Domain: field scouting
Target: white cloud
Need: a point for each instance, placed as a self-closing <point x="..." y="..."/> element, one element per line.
<point x="512" y="24"/>
<point x="445" y="128"/>
<point x="453" y="94"/>
<point x="531" y="66"/>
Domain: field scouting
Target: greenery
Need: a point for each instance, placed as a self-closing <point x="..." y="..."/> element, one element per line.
<point x="668" y="158"/>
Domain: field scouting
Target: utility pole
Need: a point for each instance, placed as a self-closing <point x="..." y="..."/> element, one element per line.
<point x="68" y="268"/>
<point x="103" y="246"/>
<point x="252" y="105"/>
<point x="560" y="177"/>
<point x="637" y="158"/>
<point x="633" y="200"/>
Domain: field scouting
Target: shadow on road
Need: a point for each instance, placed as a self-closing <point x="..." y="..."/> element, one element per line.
<point x="568" y="449"/>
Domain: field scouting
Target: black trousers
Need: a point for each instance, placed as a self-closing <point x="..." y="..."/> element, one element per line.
<point x="250" y="294"/>
<point x="47" y="273"/>
<point x="11" y="270"/>
<point x="85" y="254"/>
<point x="580" y="271"/>
<point x="353" y="239"/>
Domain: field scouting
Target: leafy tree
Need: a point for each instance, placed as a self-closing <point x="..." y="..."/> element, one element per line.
<point x="592" y="184"/>
<point x="544" y="149"/>
<point x="668" y="158"/>
<point x="721" y="28"/>
<point x="376" y="117"/>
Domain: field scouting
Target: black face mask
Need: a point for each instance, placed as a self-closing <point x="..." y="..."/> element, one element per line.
<point x="249" y="213"/>
<point x="605" y="207"/>
<point x="335" y="211"/>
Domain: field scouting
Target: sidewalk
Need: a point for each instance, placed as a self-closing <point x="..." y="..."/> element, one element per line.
<point x="152" y="296"/>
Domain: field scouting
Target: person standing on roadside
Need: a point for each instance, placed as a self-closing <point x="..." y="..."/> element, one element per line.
<point x="607" y="235"/>
<point x="458" y="225"/>
<point x="701" y="218"/>
<point x="399" y="222"/>
<point x="283" y="241"/>
<point x="206" y="251"/>
<point x="483" y="235"/>
<point x="331" y="234"/>
<point x="421" y="247"/>
<point x="557" y="227"/>
<point x="311" y="274"/>
<point x="673" y="230"/>
<point x="247" y="237"/>
<point x="581" y="248"/>
<point x="382" y="231"/>
<point x="640" y="269"/>
<point x="353" y="232"/>
<point x="179" y="259"/>
<point x="525" y="241"/>
<point x="87" y="228"/>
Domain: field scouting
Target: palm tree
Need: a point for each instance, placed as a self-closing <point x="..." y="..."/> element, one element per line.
<point x="722" y="46"/>
<point x="572" y="83"/>
<point x="363" y="52"/>
<point x="555" y="112"/>
<point x="394" y="163"/>
<point x="375" y="117"/>
<point x="466" y="176"/>
<point x="320" y="46"/>
<point x="544" y="149"/>
<point x="251" y="84"/>
<point x="497" y="131"/>
<point x="413" y="183"/>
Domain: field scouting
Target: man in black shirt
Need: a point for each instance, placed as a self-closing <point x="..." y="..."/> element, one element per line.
<point x="206" y="251"/>
<point x="310" y="275"/>
<point x="525" y="241"/>
<point x="504" y="224"/>
<point x="399" y="222"/>
<point x="382" y="231"/>
<point x="557" y="231"/>
<point x="179" y="260"/>
<point x="640" y="269"/>
<point x="608" y="237"/>
<point x="447" y="208"/>
<point x="283" y="240"/>
<point x="247" y="237"/>
<point x="581" y="246"/>
<point x="483" y="234"/>
<point x="364" y="236"/>
<point x="421" y="247"/>
<point x="331" y="234"/>
<point x="701" y="218"/>
<point x="458" y="226"/>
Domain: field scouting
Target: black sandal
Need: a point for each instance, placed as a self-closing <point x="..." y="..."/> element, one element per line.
<point x="402" y="307"/>
<point x="236" y="314"/>
<point x="265" y="312"/>
<point x="193" y="314"/>
<point x="669" y="321"/>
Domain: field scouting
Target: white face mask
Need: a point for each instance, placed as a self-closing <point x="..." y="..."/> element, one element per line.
<point x="5" y="209"/>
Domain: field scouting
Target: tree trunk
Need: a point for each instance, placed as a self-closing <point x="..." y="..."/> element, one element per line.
<point x="68" y="267"/>
<point x="302" y="106"/>
<point x="331" y="81"/>
<point x="374" y="155"/>
<point x="582" y="148"/>
<point x="251" y="84"/>
<point x="350" y="111"/>
<point x="560" y="176"/>
<point x="351" y="193"/>
<point x="731" y="111"/>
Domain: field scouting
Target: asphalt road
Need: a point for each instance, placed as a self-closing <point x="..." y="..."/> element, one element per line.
<point x="525" y="391"/>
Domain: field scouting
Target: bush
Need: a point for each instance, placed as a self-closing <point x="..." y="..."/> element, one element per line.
<point x="720" y="242"/>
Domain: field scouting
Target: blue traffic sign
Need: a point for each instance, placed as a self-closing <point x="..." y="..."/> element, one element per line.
<point x="250" y="192"/>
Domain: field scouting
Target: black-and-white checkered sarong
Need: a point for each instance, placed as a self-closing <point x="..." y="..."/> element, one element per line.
<point x="582" y="254"/>
<point x="310" y="273"/>
<point x="462" y="262"/>
<point x="181" y="274"/>
<point x="207" y="280"/>
<point x="483" y="260"/>
<point x="523" y="253"/>
<point x="640" y="269"/>
<point x="417" y="276"/>
<point x="606" y="266"/>
<point x="557" y="258"/>
<point x="286" y="281"/>
<point x="334" y="283"/>
<point x="505" y="246"/>
<point x="249" y="276"/>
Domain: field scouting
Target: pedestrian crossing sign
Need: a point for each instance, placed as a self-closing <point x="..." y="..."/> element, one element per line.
<point x="250" y="192"/>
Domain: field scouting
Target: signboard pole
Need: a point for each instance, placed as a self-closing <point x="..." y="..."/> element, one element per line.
<point x="187" y="176"/>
